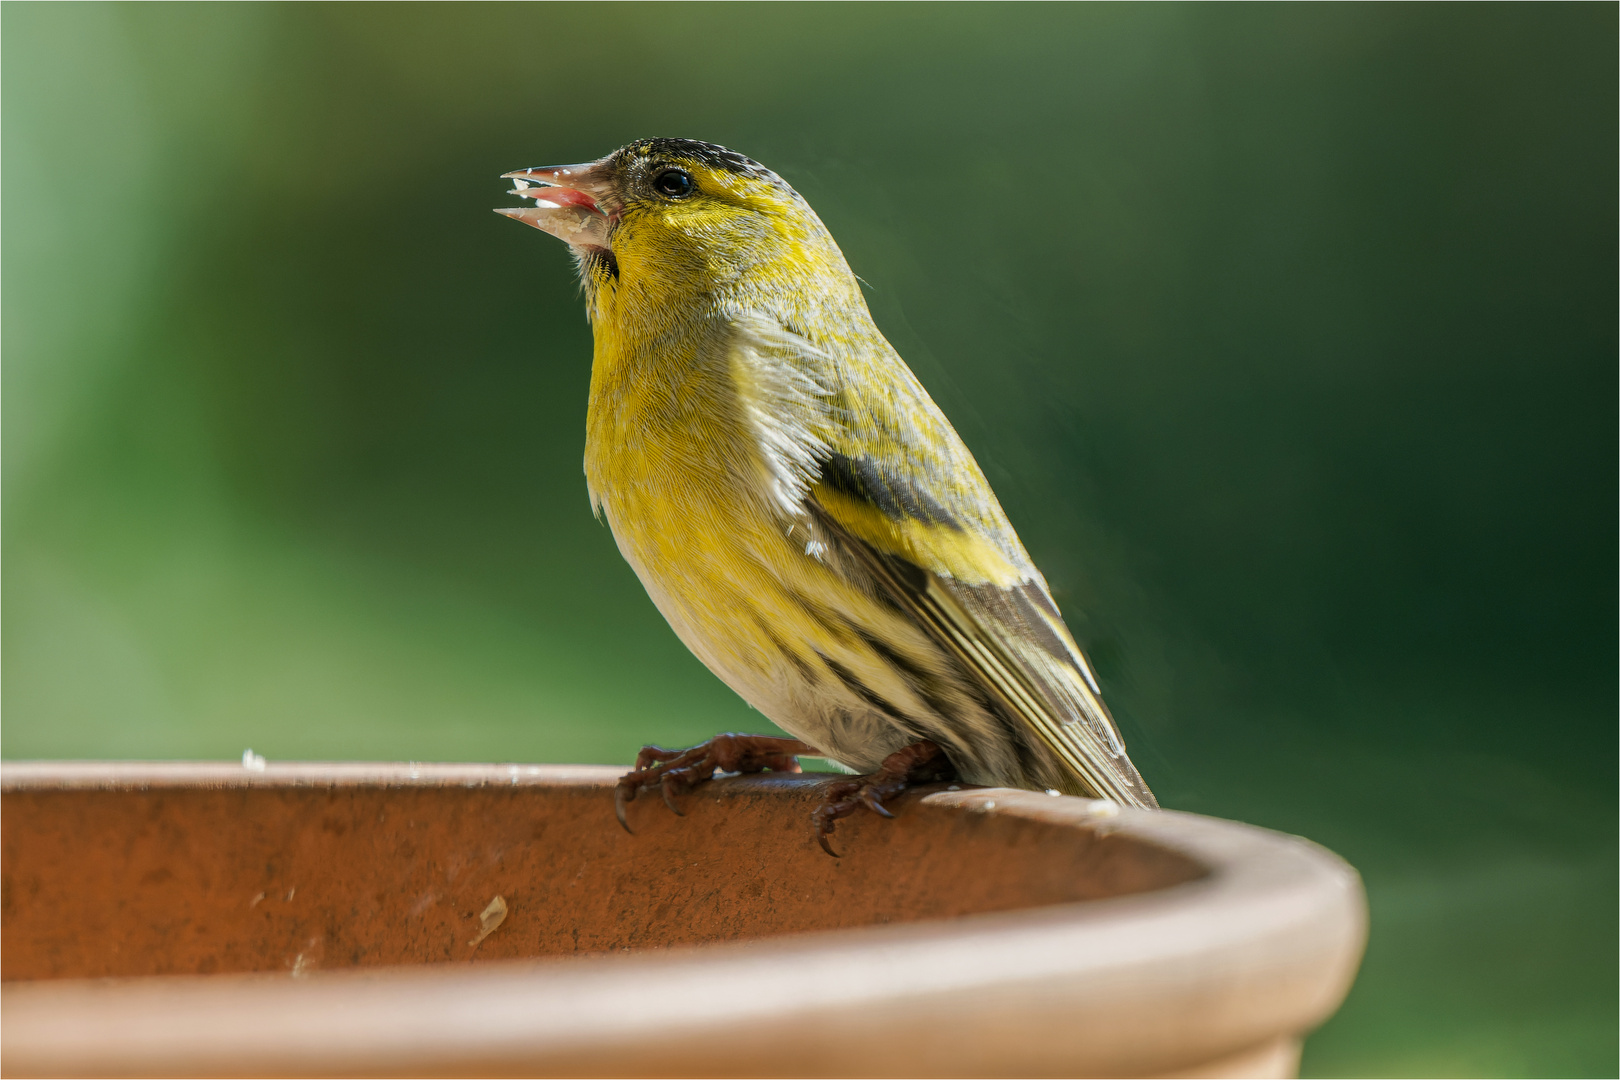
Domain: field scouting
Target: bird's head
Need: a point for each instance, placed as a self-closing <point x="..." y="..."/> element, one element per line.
<point x="674" y="218"/>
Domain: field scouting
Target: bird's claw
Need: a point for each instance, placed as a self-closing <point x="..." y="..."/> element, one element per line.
<point x="915" y="764"/>
<point x="667" y="790"/>
<point x="674" y="772"/>
<point x="621" y="800"/>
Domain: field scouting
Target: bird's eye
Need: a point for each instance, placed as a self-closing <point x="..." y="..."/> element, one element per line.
<point x="674" y="183"/>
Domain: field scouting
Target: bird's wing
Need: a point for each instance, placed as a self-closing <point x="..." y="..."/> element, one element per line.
<point x="1013" y="643"/>
<point x="897" y="484"/>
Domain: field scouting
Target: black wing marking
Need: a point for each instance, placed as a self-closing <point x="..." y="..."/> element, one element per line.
<point x="1010" y="642"/>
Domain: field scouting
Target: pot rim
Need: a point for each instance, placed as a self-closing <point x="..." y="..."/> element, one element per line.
<point x="1263" y="947"/>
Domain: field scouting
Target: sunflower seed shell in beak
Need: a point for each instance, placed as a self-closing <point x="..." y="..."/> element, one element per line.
<point x="568" y="203"/>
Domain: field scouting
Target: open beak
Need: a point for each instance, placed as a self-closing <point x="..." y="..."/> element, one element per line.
<point x="574" y="203"/>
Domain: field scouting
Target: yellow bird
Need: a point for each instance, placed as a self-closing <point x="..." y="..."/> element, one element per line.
<point x="796" y="504"/>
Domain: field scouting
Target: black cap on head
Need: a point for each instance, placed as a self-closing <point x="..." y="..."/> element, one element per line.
<point x="711" y="155"/>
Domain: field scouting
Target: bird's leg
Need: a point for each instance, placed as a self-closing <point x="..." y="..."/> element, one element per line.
<point x="919" y="763"/>
<point x="675" y="771"/>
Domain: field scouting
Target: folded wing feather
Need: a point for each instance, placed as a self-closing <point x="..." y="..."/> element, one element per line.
<point x="886" y="474"/>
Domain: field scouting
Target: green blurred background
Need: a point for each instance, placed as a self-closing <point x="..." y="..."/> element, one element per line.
<point x="1286" y="334"/>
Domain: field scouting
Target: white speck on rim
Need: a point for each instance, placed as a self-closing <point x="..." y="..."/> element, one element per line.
<point x="990" y="804"/>
<point x="252" y="762"/>
<point x="1053" y="791"/>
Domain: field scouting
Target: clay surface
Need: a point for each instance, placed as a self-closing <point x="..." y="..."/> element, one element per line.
<point x="117" y="871"/>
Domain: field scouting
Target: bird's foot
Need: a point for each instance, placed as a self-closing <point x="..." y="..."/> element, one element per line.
<point x="673" y="772"/>
<point x="919" y="763"/>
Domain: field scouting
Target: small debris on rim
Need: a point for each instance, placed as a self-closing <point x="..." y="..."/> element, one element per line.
<point x="489" y="919"/>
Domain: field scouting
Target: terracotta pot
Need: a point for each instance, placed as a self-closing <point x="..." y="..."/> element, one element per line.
<point x="198" y="919"/>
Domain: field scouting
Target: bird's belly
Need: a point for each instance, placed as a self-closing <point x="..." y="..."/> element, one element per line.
<point x="720" y="574"/>
<point x="773" y="622"/>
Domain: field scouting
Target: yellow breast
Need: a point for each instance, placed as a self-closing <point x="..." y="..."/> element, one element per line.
<point x="668" y="460"/>
<point x="675" y="468"/>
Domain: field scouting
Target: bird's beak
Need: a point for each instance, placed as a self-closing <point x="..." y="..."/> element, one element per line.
<point x="574" y="203"/>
